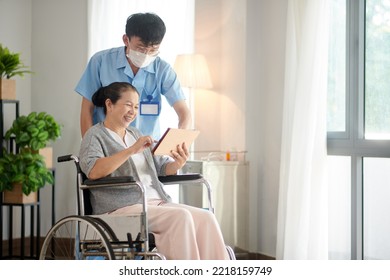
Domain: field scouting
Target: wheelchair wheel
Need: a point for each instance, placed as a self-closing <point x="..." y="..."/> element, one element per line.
<point x="106" y="228"/>
<point x="76" y="238"/>
<point x="231" y="253"/>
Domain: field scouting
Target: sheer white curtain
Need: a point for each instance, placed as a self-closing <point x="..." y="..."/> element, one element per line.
<point x="303" y="210"/>
<point x="106" y="26"/>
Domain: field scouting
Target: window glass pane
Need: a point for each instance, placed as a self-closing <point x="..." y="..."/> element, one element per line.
<point x="376" y="208"/>
<point x="336" y="111"/>
<point x="377" y="70"/>
<point x="339" y="180"/>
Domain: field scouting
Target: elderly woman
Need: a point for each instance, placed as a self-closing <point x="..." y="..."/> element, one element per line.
<point x="113" y="148"/>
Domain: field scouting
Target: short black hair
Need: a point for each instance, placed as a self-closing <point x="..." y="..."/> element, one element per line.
<point x="148" y="27"/>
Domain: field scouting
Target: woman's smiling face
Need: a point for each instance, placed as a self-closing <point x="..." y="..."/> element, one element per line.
<point x="125" y="110"/>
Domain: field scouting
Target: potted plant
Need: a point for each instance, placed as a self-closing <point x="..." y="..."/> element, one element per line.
<point x="26" y="169"/>
<point x="10" y="66"/>
<point x="34" y="131"/>
<point x="23" y="174"/>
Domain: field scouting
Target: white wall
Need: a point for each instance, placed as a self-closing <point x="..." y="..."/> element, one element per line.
<point x="15" y="34"/>
<point x="52" y="39"/>
<point x="244" y="44"/>
<point x="59" y="56"/>
<point x="220" y="34"/>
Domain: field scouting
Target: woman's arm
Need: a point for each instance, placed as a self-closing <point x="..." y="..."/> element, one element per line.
<point x="106" y="165"/>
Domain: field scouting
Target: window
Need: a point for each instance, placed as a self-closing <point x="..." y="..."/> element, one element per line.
<point x="377" y="70"/>
<point x="359" y="129"/>
<point x="336" y="79"/>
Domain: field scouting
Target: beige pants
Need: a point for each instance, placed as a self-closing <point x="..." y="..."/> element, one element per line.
<point x="182" y="232"/>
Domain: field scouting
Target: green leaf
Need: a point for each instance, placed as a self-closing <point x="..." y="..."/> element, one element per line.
<point x="24" y="137"/>
<point x="18" y="178"/>
<point x="41" y="115"/>
<point x="34" y="132"/>
<point x="40" y="124"/>
<point x="31" y="116"/>
<point x="42" y="136"/>
<point x="10" y="64"/>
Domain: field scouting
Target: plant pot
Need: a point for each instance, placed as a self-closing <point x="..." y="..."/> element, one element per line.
<point x="7" y="89"/>
<point x="16" y="196"/>
<point x="47" y="154"/>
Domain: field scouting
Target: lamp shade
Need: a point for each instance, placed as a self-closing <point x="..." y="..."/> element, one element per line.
<point x="192" y="71"/>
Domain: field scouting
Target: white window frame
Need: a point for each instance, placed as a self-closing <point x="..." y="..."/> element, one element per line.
<point x="351" y="142"/>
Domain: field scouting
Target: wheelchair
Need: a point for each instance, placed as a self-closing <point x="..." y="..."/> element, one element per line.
<point x="102" y="237"/>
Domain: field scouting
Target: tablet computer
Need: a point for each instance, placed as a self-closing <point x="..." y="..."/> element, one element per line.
<point x="173" y="137"/>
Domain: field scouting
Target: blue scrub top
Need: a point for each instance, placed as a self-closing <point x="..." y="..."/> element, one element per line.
<point x="155" y="80"/>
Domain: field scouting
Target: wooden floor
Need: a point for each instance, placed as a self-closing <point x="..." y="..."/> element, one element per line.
<point x="17" y="252"/>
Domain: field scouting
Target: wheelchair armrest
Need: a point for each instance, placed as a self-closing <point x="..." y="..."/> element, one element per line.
<point x="119" y="181"/>
<point x="110" y="181"/>
<point x="188" y="179"/>
<point x="179" y="178"/>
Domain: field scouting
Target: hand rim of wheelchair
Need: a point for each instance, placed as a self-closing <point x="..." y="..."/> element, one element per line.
<point x="63" y="242"/>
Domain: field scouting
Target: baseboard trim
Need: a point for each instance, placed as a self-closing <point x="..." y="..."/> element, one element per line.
<point x="257" y="256"/>
<point x="246" y="255"/>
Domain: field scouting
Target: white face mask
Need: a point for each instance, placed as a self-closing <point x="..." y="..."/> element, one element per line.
<point x="140" y="59"/>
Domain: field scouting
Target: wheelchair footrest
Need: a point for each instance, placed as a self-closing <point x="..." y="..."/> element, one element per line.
<point x="137" y="243"/>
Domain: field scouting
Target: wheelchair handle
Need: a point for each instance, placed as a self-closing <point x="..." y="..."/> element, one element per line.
<point x="67" y="158"/>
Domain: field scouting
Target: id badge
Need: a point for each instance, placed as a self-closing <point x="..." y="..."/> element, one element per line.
<point x="149" y="108"/>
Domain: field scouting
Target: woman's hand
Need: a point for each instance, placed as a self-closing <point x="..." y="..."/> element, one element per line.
<point x="180" y="156"/>
<point x="142" y="143"/>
